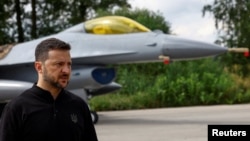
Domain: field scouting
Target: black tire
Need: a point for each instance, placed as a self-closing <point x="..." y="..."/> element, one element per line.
<point x="94" y="116"/>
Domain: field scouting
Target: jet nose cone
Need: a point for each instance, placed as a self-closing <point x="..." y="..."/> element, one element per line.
<point x="183" y="49"/>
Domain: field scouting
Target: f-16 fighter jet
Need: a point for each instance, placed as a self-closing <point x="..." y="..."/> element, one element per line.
<point x="97" y="44"/>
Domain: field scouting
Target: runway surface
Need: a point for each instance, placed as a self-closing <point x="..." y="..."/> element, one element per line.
<point x="168" y="124"/>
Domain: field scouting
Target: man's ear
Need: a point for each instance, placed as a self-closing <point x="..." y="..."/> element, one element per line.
<point x="38" y="66"/>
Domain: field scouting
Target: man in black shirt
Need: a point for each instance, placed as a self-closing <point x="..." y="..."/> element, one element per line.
<point x="48" y="112"/>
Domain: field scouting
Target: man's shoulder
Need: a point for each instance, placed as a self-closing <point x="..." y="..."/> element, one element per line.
<point x="19" y="100"/>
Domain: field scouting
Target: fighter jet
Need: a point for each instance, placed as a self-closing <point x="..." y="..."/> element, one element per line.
<point x="98" y="44"/>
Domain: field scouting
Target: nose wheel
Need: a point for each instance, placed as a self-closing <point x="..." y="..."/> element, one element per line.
<point x="94" y="116"/>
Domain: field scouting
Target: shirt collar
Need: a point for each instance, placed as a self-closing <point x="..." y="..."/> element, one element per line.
<point x="44" y="94"/>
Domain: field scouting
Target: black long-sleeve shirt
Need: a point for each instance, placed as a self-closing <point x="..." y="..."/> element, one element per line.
<point x="36" y="116"/>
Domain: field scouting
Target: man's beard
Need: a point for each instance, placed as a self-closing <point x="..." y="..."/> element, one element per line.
<point x="51" y="80"/>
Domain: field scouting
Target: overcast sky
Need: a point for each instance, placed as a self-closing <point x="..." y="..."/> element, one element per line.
<point x="184" y="16"/>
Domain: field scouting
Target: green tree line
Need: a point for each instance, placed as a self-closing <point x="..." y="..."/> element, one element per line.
<point x="232" y="21"/>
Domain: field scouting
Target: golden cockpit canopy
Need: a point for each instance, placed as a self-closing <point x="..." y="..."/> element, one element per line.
<point x="114" y="25"/>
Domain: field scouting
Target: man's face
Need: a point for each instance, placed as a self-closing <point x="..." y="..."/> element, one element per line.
<point x="57" y="68"/>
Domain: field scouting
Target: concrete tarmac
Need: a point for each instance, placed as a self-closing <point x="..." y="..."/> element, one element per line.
<point x="168" y="124"/>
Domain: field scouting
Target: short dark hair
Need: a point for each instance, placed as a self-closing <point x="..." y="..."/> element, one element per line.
<point x="42" y="49"/>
